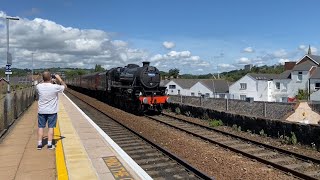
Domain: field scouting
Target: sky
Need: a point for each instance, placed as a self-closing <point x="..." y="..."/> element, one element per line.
<point x="195" y="36"/>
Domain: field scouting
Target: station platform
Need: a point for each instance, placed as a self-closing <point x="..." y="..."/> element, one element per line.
<point x="83" y="150"/>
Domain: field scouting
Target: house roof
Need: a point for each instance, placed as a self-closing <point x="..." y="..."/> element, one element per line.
<point x="185" y="83"/>
<point x="284" y="75"/>
<point x="164" y="82"/>
<point x="217" y="85"/>
<point x="316" y="74"/>
<point x="305" y="66"/>
<point x="3" y="79"/>
<point x="263" y="76"/>
<point x="315" y="58"/>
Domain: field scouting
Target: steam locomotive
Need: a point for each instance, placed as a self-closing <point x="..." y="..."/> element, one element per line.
<point x="132" y="88"/>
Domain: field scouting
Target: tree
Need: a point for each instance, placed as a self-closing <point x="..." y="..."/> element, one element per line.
<point x="174" y="72"/>
<point x="302" y="94"/>
<point x="98" y="68"/>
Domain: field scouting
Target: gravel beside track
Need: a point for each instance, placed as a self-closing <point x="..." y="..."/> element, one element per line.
<point x="304" y="150"/>
<point x="211" y="159"/>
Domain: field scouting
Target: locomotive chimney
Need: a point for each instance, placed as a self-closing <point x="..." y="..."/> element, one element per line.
<point x="145" y="63"/>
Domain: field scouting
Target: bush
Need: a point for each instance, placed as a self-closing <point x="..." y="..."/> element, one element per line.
<point x="235" y="127"/>
<point x="215" y="123"/>
<point x="177" y="110"/>
<point x="293" y="138"/>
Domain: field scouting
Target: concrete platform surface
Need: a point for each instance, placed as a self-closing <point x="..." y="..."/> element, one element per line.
<point x="19" y="158"/>
<point x="83" y="150"/>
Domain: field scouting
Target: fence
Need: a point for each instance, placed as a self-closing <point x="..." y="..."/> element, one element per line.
<point x="270" y="110"/>
<point x="12" y="105"/>
<point x="315" y="106"/>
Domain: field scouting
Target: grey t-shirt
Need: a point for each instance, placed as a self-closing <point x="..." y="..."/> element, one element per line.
<point x="48" y="97"/>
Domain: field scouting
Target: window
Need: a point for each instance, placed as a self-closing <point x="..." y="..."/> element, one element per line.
<point x="243" y="85"/>
<point x="299" y="76"/>
<point x="243" y="97"/>
<point x="270" y="85"/>
<point x="317" y="86"/>
<point x="207" y="95"/>
<point x="172" y="86"/>
<point x="179" y="91"/>
<point x="192" y="94"/>
<point x="222" y="95"/>
<point x="199" y="94"/>
<point x="284" y="99"/>
<point x="277" y="85"/>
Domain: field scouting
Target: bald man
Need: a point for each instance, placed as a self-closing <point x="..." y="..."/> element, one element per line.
<point x="48" y="105"/>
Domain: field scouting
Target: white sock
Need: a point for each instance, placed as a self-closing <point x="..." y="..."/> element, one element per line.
<point x="49" y="143"/>
<point x="39" y="142"/>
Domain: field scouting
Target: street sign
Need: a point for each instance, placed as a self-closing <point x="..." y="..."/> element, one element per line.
<point x="8" y="68"/>
<point x="8" y="72"/>
<point x="9" y="58"/>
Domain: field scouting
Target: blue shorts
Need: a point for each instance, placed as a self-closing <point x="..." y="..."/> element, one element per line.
<point x="43" y="118"/>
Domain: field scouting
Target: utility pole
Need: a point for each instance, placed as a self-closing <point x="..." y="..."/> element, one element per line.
<point x="32" y="69"/>
<point x="9" y="57"/>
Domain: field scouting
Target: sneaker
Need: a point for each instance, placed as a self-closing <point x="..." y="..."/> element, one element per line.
<point x="39" y="147"/>
<point x="51" y="147"/>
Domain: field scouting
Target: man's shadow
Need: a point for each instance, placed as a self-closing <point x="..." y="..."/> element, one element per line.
<point x="54" y="140"/>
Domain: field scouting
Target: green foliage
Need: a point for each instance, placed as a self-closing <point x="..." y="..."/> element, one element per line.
<point x="289" y="140"/>
<point x="262" y="133"/>
<point x="98" y="68"/>
<point x="177" y="110"/>
<point x="302" y="94"/>
<point x="174" y="72"/>
<point x="293" y="139"/>
<point x="215" y="123"/>
<point x="249" y="131"/>
<point x="237" y="74"/>
<point x="235" y="127"/>
<point x="239" y="128"/>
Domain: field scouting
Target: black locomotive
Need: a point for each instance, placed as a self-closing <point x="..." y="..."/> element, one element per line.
<point x="132" y="87"/>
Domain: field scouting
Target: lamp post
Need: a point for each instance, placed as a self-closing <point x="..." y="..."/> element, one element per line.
<point x="9" y="57"/>
<point x="32" y="69"/>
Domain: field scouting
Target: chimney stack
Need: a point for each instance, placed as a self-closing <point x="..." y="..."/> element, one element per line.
<point x="145" y="63"/>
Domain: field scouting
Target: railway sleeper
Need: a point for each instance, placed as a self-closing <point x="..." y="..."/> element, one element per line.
<point x="263" y="154"/>
<point x="145" y="161"/>
<point x="281" y="159"/>
<point x="298" y="165"/>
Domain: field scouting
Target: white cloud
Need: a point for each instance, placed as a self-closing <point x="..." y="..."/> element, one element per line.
<point x="182" y="60"/>
<point x="57" y="46"/>
<point x="226" y="67"/>
<point x="168" y="44"/>
<point x="280" y="53"/>
<point x="248" y="50"/>
<point x="244" y="60"/>
<point x="302" y="47"/>
<point x="282" y="61"/>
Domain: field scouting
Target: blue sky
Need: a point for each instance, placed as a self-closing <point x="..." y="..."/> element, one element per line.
<point x="205" y="35"/>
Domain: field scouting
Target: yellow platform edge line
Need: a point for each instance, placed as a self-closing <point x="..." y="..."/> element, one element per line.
<point x="62" y="172"/>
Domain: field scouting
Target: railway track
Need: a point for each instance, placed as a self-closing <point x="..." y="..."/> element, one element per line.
<point x="298" y="165"/>
<point x="158" y="162"/>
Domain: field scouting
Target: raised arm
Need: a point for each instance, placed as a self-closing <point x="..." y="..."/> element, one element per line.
<point x="60" y="81"/>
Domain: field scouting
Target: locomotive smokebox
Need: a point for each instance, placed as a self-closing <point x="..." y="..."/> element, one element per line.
<point x="145" y="63"/>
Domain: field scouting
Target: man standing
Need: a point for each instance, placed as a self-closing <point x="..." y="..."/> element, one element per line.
<point x="48" y="105"/>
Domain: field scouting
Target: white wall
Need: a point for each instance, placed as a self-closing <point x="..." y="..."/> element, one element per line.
<point x="200" y="88"/>
<point x="175" y="91"/>
<point x="279" y="94"/>
<point x="314" y="93"/>
<point x="235" y="91"/>
<point x="295" y="84"/>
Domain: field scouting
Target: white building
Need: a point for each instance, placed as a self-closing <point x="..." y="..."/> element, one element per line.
<point x="197" y="87"/>
<point x="305" y="75"/>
